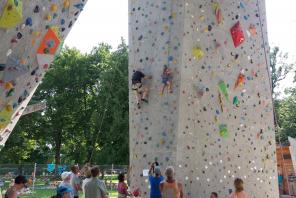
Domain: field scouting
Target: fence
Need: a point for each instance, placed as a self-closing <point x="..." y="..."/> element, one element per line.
<point x="47" y="178"/>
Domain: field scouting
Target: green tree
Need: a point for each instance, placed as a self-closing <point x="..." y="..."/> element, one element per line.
<point x="287" y="117"/>
<point x="279" y="67"/>
<point x="86" y="118"/>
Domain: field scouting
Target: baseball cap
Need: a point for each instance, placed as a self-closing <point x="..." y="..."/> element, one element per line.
<point x="63" y="189"/>
<point x="65" y="175"/>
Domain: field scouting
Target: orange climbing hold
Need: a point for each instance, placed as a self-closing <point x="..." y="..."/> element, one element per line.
<point x="240" y="80"/>
<point x="218" y="13"/>
<point x="49" y="44"/>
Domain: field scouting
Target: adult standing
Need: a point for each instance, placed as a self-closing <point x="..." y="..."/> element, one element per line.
<point x="170" y="188"/>
<point x="87" y="175"/>
<point x="66" y="177"/>
<point x="75" y="181"/>
<point x="155" y="178"/>
<point x="19" y="183"/>
<point x="239" y="189"/>
<point x="95" y="188"/>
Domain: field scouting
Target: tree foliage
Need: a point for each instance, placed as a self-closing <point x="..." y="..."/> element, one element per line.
<point x="279" y="67"/>
<point x="87" y="112"/>
<point x="285" y="116"/>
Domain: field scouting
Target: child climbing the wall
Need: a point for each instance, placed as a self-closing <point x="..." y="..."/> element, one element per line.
<point x="166" y="78"/>
<point x="140" y="90"/>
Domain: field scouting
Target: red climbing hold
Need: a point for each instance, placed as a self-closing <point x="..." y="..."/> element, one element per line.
<point x="237" y="34"/>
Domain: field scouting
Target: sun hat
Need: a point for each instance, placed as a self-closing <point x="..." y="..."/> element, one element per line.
<point x="65" y="175"/>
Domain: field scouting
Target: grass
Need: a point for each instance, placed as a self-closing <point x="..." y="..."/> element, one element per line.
<point x="50" y="192"/>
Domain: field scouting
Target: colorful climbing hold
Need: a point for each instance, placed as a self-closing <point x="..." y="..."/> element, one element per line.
<point x="223" y="89"/>
<point x="237" y="34"/>
<point x="197" y="53"/>
<point x="12" y="14"/>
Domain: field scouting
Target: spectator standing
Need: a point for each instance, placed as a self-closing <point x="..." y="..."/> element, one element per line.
<point x="239" y="189"/>
<point x="66" y="177"/>
<point x="19" y="183"/>
<point x="122" y="188"/>
<point x="75" y="181"/>
<point x="87" y="175"/>
<point x="95" y="188"/>
<point x="155" y="178"/>
<point x="170" y="188"/>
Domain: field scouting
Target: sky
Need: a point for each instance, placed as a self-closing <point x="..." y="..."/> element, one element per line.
<point x="107" y="21"/>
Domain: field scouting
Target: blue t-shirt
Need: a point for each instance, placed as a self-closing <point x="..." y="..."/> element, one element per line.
<point x="155" y="189"/>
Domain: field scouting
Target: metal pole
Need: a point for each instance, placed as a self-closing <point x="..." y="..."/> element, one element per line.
<point x="34" y="177"/>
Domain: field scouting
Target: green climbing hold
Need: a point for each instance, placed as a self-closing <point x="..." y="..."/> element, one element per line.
<point x="223" y="130"/>
<point x="223" y="89"/>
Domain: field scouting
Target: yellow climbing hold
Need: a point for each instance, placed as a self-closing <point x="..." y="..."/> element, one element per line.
<point x="12" y="14"/>
<point x="9" y="108"/>
<point x="54" y="8"/>
<point x="5" y="116"/>
<point x="8" y="85"/>
<point x="66" y="3"/>
<point x="197" y="53"/>
<point x="48" y="17"/>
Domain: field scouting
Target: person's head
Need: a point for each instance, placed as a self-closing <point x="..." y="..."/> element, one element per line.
<point x="214" y="195"/>
<point x="239" y="185"/>
<point x="63" y="192"/>
<point x="75" y="169"/>
<point x="157" y="171"/>
<point x="88" y="173"/>
<point x="20" y="182"/>
<point x="121" y="177"/>
<point x="170" y="172"/>
<point x="95" y="171"/>
<point x="66" y="176"/>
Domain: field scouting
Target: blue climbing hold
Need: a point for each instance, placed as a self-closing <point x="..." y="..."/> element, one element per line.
<point x="29" y="21"/>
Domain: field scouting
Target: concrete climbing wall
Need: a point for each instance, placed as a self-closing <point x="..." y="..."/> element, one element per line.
<point x="31" y="34"/>
<point x="218" y="122"/>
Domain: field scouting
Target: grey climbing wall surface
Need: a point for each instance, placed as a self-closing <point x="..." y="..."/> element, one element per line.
<point x="218" y="122"/>
<point x="31" y="34"/>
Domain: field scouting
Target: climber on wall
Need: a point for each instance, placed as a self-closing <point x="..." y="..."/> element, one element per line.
<point x="140" y="90"/>
<point x="166" y="78"/>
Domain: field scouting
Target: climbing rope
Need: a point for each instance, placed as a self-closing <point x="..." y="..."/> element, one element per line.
<point x="102" y="120"/>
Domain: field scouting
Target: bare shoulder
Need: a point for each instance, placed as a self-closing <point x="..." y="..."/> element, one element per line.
<point x="232" y="195"/>
<point x="180" y="185"/>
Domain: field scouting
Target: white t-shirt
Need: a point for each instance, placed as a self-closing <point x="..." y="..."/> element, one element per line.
<point x="94" y="188"/>
<point x="75" y="180"/>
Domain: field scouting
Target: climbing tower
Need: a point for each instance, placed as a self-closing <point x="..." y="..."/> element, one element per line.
<point x="31" y="34"/>
<point x="218" y="122"/>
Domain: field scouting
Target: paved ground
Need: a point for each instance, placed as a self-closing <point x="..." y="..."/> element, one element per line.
<point x="286" y="196"/>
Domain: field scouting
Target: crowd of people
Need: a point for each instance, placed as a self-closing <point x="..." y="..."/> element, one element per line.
<point x="160" y="186"/>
